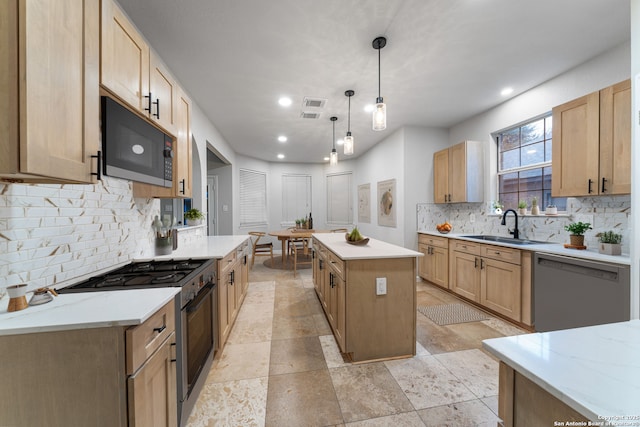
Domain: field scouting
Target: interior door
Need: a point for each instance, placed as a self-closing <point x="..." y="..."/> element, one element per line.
<point x="212" y="205"/>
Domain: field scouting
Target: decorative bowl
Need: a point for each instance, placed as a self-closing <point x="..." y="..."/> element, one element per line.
<point x="360" y="242"/>
<point x="444" y="231"/>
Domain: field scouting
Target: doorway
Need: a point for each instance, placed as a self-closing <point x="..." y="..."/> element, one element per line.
<point x="212" y="205"/>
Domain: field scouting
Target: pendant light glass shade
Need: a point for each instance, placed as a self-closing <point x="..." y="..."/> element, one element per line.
<point x="348" y="140"/>
<point x="379" y="116"/>
<point x="333" y="156"/>
<point x="348" y="144"/>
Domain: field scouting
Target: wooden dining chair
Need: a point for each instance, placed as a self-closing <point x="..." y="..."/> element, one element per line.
<point x="260" y="249"/>
<point x="300" y="248"/>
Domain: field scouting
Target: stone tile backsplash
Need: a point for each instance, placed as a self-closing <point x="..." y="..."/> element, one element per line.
<point x="53" y="233"/>
<point x="604" y="213"/>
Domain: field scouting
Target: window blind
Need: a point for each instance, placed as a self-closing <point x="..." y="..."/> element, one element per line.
<point x="253" y="198"/>
<point x="339" y="200"/>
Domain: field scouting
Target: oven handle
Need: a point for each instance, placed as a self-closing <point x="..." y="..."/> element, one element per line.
<point x="202" y="296"/>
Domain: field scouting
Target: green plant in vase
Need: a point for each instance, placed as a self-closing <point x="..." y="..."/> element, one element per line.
<point x="609" y="243"/>
<point x="193" y="217"/>
<point x="522" y="207"/>
<point x="577" y="230"/>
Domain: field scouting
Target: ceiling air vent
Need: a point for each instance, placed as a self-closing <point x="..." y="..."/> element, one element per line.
<point x="310" y="115"/>
<point x="309" y="102"/>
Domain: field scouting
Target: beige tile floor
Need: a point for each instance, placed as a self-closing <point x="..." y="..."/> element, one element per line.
<point x="281" y="367"/>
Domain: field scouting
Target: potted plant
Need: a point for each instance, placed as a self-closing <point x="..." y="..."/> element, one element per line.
<point x="497" y="207"/>
<point x="609" y="243"/>
<point x="535" y="210"/>
<point x="551" y="210"/>
<point x="193" y="217"/>
<point x="297" y="223"/>
<point x="522" y="207"/>
<point x="577" y="230"/>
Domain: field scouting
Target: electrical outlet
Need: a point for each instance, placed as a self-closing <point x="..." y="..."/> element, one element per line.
<point x="381" y="285"/>
<point x="584" y="218"/>
<point x="472" y="218"/>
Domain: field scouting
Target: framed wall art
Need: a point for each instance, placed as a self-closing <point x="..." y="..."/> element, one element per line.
<point x="364" y="203"/>
<point x="386" y="203"/>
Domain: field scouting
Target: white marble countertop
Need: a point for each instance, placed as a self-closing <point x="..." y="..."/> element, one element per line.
<point x="373" y="250"/>
<point x="204" y="247"/>
<point x="594" y="370"/>
<point x="549" y="248"/>
<point x="85" y="310"/>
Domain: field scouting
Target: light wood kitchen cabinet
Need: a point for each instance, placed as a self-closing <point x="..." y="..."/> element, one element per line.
<point x="49" y="78"/>
<point x="458" y="173"/>
<point x="592" y="144"/>
<point x="109" y="376"/>
<point x="365" y="324"/>
<point x="233" y="281"/>
<point x="132" y="71"/>
<point x="493" y="277"/>
<point x="434" y="265"/>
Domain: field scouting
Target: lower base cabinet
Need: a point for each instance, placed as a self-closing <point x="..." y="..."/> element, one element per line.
<point x="520" y="401"/>
<point x="233" y="282"/>
<point x="103" y="377"/>
<point x="434" y="265"/>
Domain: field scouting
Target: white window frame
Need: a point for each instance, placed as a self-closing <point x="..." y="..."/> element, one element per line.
<point x="296" y="198"/>
<point x="253" y="198"/>
<point x="337" y="197"/>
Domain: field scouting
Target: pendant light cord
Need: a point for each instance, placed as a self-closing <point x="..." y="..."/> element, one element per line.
<point x="334" y="135"/>
<point x="379" y="72"/>
<point x="349" y="117"/>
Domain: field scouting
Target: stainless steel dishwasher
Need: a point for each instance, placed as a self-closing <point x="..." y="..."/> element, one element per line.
<point x="570" y="292"/>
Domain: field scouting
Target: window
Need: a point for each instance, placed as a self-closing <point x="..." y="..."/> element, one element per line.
<point x="296" y="198"/>
<point x="253" y="198"/>
<point x="339" y="200"/>
<point x="524" y="165"/>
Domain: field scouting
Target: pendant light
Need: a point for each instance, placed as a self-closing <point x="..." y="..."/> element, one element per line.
<point x="380" y="109"/>
<point x="348" y="140"/>
<point x="333" y="158"/>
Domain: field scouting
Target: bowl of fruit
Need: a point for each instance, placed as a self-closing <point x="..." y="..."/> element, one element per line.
<point x="444" y="228"/>
<point x="355" y="238"/>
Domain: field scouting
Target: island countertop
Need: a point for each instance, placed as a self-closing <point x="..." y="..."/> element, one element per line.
<point x="374" y="249"/>
<point x="595" y="370"/>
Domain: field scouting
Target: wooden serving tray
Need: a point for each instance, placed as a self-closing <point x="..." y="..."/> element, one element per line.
<point x="570" y="246"/>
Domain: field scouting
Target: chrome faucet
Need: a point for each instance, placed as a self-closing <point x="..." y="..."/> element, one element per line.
<point x="515" y="232"/>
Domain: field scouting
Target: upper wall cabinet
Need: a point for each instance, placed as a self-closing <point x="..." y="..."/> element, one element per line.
<point x="458" y="173"/>
<point x="134" y="73"/>
<point x="49" y="120"/>
<point x="592" y="144"/>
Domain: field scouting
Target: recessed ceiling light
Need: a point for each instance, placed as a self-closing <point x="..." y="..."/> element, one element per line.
<point x="506" y="91"/>
<point x="369" y="108"/>
<point x="340" y="141"/>
<point x="285" y="101"/>
<point x="281" y="156"/>
<point x="326" y="159"/>
<point x="282" y="138"/>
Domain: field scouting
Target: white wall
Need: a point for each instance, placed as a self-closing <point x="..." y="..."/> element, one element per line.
<point x="635" y="158"/>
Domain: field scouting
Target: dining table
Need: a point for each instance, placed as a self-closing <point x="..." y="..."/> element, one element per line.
<point x="293" y="233"/>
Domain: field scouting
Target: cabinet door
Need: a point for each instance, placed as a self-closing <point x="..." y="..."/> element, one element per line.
<point x="576" y="152"/>
<point x="440" y="266"/>
<point x="223" y="312"/>
<point x="57" y="102"/>
<point x="424" y="266"/>
<point x="152" y="390"/>
<point x="338" y="310"/>
<point x="163" y="94"/>
<point x="500" y="287"/>
<point x="125" y="58"/>
<point x="465" y="278"/>
<point x="441" y="176"/>
<point x="458" y="173"/>
<point x="615" y="139"/>
<point x="182" y="162"/>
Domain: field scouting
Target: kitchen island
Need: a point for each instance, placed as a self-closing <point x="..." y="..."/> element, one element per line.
<point x="583" y="374"/>
<point x="368" y="294"/>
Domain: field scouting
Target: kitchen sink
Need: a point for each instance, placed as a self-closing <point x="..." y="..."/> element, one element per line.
<point x="502" y="239"/>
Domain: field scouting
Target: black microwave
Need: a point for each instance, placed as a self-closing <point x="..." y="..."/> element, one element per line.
<point x="133" y="148"/>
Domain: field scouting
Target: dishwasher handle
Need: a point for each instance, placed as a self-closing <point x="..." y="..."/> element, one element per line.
<point x="585" y="268"/>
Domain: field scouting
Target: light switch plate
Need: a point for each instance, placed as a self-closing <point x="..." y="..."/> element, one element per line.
<point x="472" y="218"/>
<point x="381" y="285"/>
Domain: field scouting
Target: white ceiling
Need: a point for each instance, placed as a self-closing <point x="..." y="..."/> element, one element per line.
<point x="445" y="60"/>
